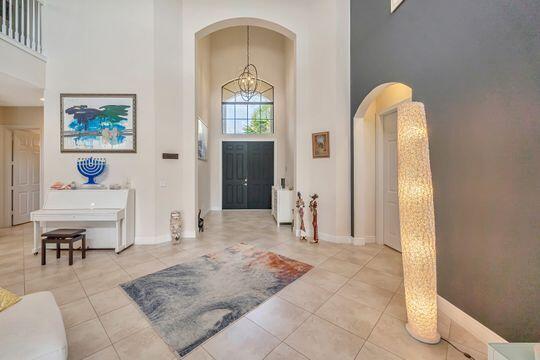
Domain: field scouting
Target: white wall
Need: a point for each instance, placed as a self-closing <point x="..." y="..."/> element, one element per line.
<point x="290" y="113"/>
<point x="320" y="31"/>
<point x="21" y="65"/>
<point x="147" y="47"/>
<point x="367" y="149"/>
<point x="227" y="54"/>
<point x="167" y="109"/>
<point x="13" y="118"/>
<point x="117" y="47"/>
<point x="204" y="78"/>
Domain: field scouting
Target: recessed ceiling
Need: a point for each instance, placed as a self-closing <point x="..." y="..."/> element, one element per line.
<point x="15" y="92"/>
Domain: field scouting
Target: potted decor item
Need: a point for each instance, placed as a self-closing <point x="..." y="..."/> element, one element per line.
<point x="176" y="226"/>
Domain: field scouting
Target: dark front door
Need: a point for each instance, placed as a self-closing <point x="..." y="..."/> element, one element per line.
<point x="248" y="174"/>
<point x="260" y="174"/>
<point x="234" y="175"/>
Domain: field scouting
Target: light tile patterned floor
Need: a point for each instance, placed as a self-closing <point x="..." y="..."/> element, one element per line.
<point x="350" y="306"/>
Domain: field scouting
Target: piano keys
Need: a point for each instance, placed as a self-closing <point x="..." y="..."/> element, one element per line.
<point x="107" y="215"/>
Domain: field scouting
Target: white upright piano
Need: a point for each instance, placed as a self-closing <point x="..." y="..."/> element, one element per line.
<point x="107" y="215"/>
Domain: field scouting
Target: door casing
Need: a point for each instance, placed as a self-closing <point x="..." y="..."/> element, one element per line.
<point x="379" y="185"/>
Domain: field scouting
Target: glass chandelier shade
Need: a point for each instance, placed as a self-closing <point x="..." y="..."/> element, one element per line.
<point x="248" y="81"/>
<point x="417" y="223"/>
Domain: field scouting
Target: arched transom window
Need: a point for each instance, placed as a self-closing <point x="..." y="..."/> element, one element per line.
<point x="255" y="116"/>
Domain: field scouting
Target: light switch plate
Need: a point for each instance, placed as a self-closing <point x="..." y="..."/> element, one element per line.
<point x="394" y="4"/>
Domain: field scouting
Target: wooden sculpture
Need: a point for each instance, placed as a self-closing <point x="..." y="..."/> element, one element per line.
<point x="300" y="205"/>
<point x="313" y="207"/>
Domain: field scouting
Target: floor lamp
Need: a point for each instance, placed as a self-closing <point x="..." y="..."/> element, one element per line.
<point x="417" y="223"/>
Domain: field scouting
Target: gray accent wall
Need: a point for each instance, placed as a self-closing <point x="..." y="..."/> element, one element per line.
<point x="476" y="66"/>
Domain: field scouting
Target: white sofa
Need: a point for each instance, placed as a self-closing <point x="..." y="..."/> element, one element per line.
<point x="33" y="329"/>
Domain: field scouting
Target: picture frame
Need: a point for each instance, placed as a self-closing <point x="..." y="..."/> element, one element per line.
<point x="320" y="143"/>
<point x="98" y="123"/>
<point x="202" y="140"/>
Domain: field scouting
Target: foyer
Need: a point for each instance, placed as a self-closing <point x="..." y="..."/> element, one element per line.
<point x="269" y="179"/>
<point x="349" y="306"/>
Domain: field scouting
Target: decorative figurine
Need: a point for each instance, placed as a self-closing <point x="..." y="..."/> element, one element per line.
<point x="91" y="168"/>
<point x="176" y="226"/>
<point x="313" y="208"/>
<point x="300" y="205"/>
<point x="200" y="222"/>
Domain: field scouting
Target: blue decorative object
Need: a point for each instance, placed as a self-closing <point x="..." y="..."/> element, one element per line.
<point x="91" y="168"/>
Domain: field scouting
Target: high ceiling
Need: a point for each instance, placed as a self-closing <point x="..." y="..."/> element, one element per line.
<point x="14" y="92"/>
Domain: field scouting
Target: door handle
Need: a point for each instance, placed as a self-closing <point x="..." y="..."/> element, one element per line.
<point x="245" y="182"/>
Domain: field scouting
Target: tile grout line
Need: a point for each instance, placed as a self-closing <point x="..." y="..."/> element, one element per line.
<point x="98" y="318"/>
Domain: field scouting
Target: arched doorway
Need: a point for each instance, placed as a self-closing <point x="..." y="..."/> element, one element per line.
<point x="375" y="215"/>
<point x="219" y="54"/>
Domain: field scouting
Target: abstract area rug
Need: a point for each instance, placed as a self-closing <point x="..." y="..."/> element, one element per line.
<point x="190" y="302"/>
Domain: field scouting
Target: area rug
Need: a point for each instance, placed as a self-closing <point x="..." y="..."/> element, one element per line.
<point x="190" y="302"/>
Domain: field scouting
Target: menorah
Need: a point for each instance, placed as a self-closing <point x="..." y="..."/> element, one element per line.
<point x="91" y="168"/>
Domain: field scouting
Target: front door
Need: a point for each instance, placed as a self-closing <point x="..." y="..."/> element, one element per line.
<point x="25" y="175"/>
<point x="248" y="174"/>
<point x="390" y="182"/>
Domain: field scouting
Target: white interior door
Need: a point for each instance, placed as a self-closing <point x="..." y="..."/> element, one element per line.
<point x="25" y="175"/>
<point x="391" y="235"/>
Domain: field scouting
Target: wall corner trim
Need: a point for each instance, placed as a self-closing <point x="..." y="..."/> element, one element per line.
<point x="467" y="322"/>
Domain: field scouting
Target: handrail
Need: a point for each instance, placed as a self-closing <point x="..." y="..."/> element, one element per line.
<point x="21" y="24"/>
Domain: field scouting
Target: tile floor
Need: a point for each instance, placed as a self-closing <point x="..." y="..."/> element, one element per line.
<point x="350" y="306"/>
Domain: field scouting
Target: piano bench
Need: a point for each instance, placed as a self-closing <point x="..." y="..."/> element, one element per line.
<point x="63" y="236"/>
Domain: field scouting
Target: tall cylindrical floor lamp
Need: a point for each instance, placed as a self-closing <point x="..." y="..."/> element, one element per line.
<point x="417" y="223"/>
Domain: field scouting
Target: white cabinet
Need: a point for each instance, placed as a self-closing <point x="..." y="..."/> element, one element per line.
<point x="282" y="205"/>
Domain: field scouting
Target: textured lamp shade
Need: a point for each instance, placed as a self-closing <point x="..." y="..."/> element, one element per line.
<point x="417" y="223"/>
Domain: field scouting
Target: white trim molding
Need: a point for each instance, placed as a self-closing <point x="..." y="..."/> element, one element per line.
<point x="160" y="239"/>
<point x="338" y="239"/>
<point x="467" y="322"/>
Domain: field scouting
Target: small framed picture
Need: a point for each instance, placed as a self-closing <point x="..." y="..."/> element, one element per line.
<point x="98" y="123"/>
<point x="321" y="144"/>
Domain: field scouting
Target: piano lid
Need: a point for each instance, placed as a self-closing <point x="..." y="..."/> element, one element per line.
<point x="86" y="199"/>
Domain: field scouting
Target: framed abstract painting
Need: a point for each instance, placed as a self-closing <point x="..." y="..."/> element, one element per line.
<point x="98" y="123"/>
<point x="320" y="143"/>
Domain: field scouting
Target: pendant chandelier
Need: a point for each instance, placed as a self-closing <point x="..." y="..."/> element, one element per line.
<point x="248" y="81"/>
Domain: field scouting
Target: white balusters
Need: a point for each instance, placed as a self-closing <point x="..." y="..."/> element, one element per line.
<point x="9" y="18"/>
<point x="4" y="17"/>
<point x="39" y="47"/>
<point x="21" y="22"/>
<point x="27" y="11"/>
<point x="16" y="32"/>
<point x="34" y="22"/>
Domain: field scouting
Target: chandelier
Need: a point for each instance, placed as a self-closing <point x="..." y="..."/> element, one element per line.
<point x="248" y="81"/>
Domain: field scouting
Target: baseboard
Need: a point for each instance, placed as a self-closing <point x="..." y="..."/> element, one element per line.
<point x="363" y="240"/>
<point x="145" y="240"/>
<point x="467" y="322"/>
<point x="338" y="239"/>
<point x="153" y="240"/>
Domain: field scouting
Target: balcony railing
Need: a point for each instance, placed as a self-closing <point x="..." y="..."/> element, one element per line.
<point x="21" y="24"/>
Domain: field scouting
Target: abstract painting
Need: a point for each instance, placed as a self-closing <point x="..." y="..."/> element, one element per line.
<point x="98" y="123"/>
<point x="190" y="302"/>
<point x="202" y="140"/>
<point x="320" y="143"/>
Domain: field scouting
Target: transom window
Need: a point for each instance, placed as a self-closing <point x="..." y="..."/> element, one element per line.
<point x="255" y="116"/>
